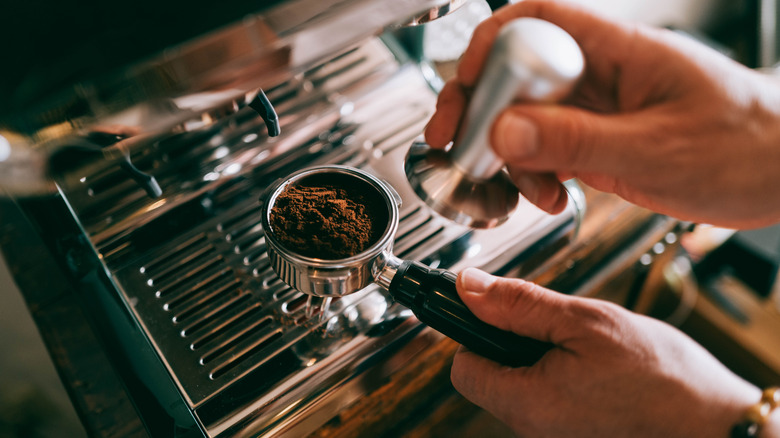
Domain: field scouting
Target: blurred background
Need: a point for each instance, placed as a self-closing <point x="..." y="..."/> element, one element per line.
<point x="33" y="402"/>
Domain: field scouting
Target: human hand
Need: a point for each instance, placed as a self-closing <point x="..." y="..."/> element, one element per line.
<point x="612" y="373"/>
<point x="658" y="119"/>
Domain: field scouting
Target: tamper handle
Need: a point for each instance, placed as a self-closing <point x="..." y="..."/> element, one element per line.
<point x="531" y="60"/>
<point x="431" y="295"/>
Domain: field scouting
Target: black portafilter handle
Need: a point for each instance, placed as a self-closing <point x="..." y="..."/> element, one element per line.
<point x="431" y="295"/>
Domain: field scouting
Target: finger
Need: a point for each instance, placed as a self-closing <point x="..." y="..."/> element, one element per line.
<point x="518" y="306"/>
<point x="601" y="40"/>
<point x="444" y="123"/>
<point x="490" y="385"/>
<point x="541" y="189"/>
<point x="565" y="176"/>
<point x="554" y="138"/>
<point x="473" y="59"/>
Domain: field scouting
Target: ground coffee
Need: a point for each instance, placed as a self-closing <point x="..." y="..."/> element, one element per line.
<point x="326" y="222"/>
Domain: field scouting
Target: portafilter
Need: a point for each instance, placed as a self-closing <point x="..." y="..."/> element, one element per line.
<point x="531" y="60"/>
<point x="429" y="293"/>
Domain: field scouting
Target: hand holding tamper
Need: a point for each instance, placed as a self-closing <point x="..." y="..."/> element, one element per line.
<point x="532" y="61"/>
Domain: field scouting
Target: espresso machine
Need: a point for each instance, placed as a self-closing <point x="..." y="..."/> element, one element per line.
<point x="133" y="178"/>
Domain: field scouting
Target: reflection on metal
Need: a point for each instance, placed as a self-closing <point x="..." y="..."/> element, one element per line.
<point x="435" y="13"/>
<point x="193" y="269"/>
<point x="767" y="31"/>
<point x="206" y="78"/>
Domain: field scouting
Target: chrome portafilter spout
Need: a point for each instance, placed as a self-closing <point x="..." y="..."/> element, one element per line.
<point x="531" y="61"/>
<point x="429" y="293"/>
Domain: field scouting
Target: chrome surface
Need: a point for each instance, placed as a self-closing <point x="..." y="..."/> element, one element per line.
<point x="767" y="34"/>
<point x="457" y="195"/>
<point x="389" y="267"/>
<point x="322" y="277"/>
<point x="192" y="268"/>
<point x="434" y="13"/>
<point x="531" y="61"/>
<point x="220" y="70"/>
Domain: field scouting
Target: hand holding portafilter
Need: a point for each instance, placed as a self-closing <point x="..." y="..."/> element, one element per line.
<point x="532" y="61"/>
<point x="429" y="293"/>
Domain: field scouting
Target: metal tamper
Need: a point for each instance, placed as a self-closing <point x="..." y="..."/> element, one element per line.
<point x="531" y="60"/>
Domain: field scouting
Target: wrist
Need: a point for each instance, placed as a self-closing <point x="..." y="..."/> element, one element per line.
<point x="772" y="428"/>
<point x="761" y="419"/>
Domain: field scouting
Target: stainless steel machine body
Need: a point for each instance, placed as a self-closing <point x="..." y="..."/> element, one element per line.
<point x="182" y="281"/>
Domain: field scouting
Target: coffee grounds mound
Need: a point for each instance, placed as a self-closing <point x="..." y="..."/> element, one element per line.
<point x="321" y="222"/>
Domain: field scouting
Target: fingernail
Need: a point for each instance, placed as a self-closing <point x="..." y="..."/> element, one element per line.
<point x="515" y="138"/>
<point x="476" y="281"/>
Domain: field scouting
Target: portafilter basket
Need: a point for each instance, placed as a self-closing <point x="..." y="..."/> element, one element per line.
<point x="429" y="293"/>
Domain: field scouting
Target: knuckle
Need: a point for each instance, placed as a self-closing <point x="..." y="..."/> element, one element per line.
<point x="457" y="374"/>
<point x="450" y="94"/>
<point x="466" y="380"/>
<point x="507" y="296"/>
<point x="568" y="141"/>
<point x="599" y="318"/>
<point x="517" y="296"/>
<point x="551" y="194"/>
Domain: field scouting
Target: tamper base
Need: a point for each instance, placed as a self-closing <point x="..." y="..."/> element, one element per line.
<point x="456" y="195"/>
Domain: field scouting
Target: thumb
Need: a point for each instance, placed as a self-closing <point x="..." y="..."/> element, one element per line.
<point x="554" y="138"/>
<point x="519" y="306"/>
